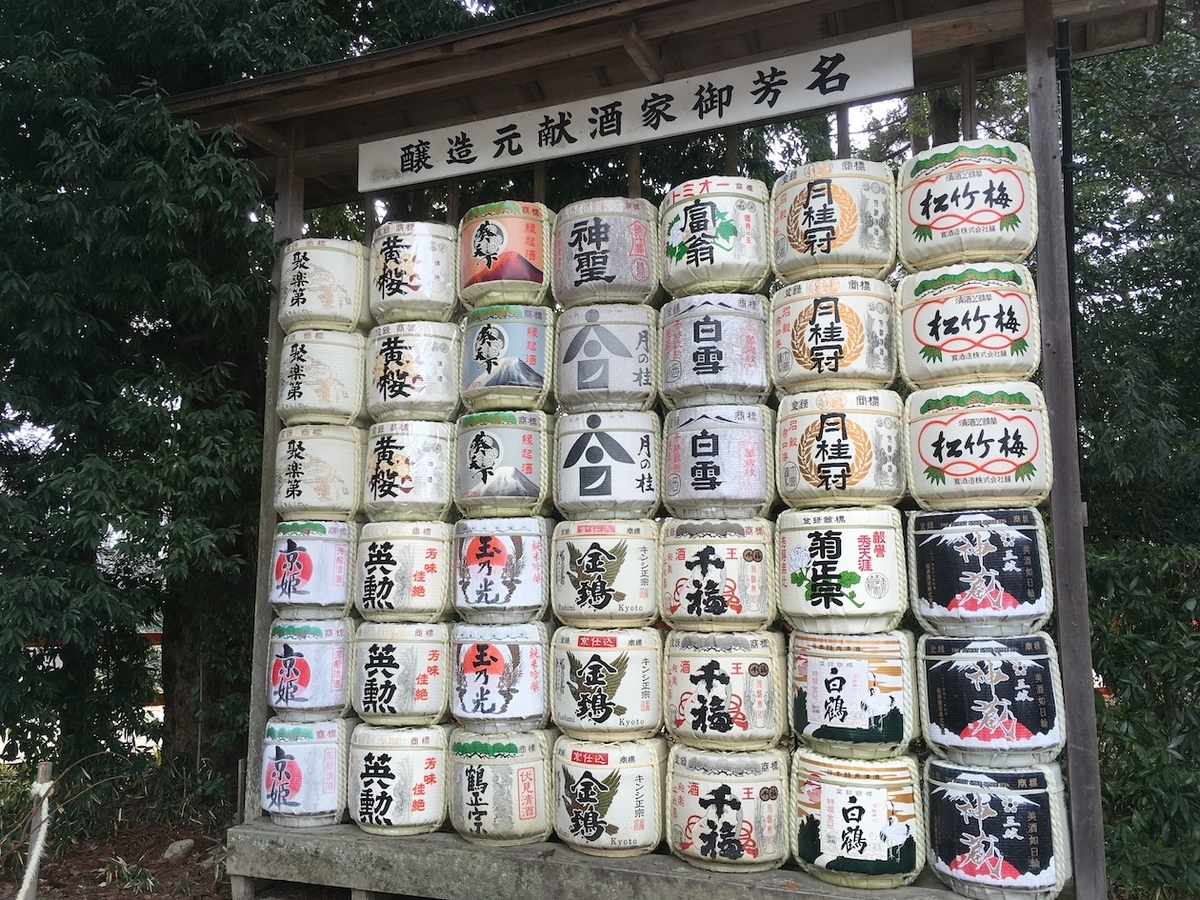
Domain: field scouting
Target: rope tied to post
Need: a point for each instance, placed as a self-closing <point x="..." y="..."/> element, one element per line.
<point x="40" y="791"/>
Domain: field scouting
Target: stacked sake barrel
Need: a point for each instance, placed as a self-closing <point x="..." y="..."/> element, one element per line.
<point x="609" y="762"/>
<point x="979" y="464"/>
<point x="723" y="689"/>
<point x="500" y="753"/>
<point x="855" y="787"/>
<point x="319" y="461"/>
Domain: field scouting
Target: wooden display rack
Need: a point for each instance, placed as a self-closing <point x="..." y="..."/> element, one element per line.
<point x="309" y="125"/>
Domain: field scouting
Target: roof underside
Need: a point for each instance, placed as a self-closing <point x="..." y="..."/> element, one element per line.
<point x="320" y="115"/>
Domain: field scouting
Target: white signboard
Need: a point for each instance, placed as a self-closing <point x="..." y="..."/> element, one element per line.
<point x="774" y="89"/>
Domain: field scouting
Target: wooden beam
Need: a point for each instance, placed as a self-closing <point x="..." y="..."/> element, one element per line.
<point x="263" y="136"/>
<point x="1066" y="506"/>
<point x="643" y="55"/>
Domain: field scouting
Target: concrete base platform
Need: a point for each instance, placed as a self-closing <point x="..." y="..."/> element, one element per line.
<point x="443" y="866"/>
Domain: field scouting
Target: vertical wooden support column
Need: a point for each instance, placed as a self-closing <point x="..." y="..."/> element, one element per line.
<point x="729" y="135"/>
<point x="1067" y="514"/>
<point x="970" y="116"/>
<point x="634" y="173"/>
<point x="844" y="146"/>
<point x="289" y="223"/>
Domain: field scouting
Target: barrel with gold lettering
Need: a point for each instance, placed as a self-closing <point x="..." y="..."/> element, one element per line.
<point x="607" y="683"/>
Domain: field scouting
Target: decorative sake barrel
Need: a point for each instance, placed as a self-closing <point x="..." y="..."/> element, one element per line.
<point x="859" y="823"/>
<point x="412" y="371"/>
<point x="307" y="673"/>
<point x="407" y="471"/>
<point x="715" y="350"/>
<point x="323" y="286"/>
<point x="607" y="358"/>
<point x="607" y="464"/>
<point x="834" y="217"/>
<point x="310" y="575"/>
<point x="840" y="448"/>
<point x="718" y="575"/>
<point x="607" y="683"/>
<point x="841" y="570"/>
<point x="964" y="202"/>
<point x="991" y="701"/>
<point x="508" y="357"/>
<point x="606" y="250"/>
<point x="305" y="770"/>
<point x="854" y="696"/>
<point x="725" y="691"/>
<point x="982" y="445"/>
<point x="998" y="834"/>
<point x="321" y="379"/>
<point x="398" y="779"/>
<point x="413" y="271"/>
<point x="503" y="465"/>
<point x="502" y="569"/>
<point x="730" y="812"/>
<point x="973" y="322"/>
<point x="402" y="572"/>
<point x="400" y="674"/>
<point x="605" y="573"/>
<point x="503" y="249"/>
<point x="714" y="235"/>
<point x="832" y="332"/>
<point x="500" y="677"/>
<point x="979" y="572"/>
<point x="609" y="797"/>
<point x="502" y="786"/>
<point x="719" y="461"/>
<point x="318" y="472"/>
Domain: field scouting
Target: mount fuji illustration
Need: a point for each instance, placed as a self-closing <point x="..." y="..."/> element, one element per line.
<point x="506" y="481"/>
<point x="509" y="371"/>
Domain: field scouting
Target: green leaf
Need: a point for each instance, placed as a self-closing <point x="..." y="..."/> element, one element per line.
<point x="931" y="353"/>
<point x="934" y="474"/>
<point x="923" y="233"/>
<point x="1025" y="472"/>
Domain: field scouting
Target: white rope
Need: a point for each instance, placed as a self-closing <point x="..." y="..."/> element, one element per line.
<point x="40" y="791"/>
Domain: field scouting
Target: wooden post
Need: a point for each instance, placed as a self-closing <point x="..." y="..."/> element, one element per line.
<point x="635" y="172"/>
<point x="731" y="151"/>
<point x="844" y="146"/>
<point x="1066" y="506"/>
<point x="37" y="821"/>
<point x="970" y="116"/>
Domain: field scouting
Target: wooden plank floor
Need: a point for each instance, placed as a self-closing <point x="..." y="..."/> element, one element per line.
<point x="442" y="866"/>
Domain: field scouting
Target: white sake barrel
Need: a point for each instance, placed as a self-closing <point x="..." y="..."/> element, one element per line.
<point x="841" y="570"/>
<point x="407" y="471"/>
<point x="402" y="572"/>
<point x="840" y="448"/>
<point x="508" y="357"/>
<point x="998" y="834"/>
<point x="718" y="574"/>
<point x="607" y="683"/>
<point x="606" y="250"/>
<point x="605" y="573"/>
<point x="832" y="332"/>
<point x="398" y="779"/>
<point x="502" y="569"/>
<point x="310" y="575"/>
<point x="413" y="271"/>
<point x="412" y="371"/>
<point x="322" y="284"/>
<point x="981" y="445"/>
<point x="607" y="464"/>
<point x="609" y="797"/>
<point x="607" y="358"/>
<point x="725" y="691"/>
<point x="500" y="677"/>
<point x="991" y="701"/>
<point x="318" y="472"/>
<point x="400" y="674"/>
<point x="503" y="251"/>
<point x="719" y="461"/>
<point x="859" y="823"/>
<point x="502" y="786"/>
<point x="714" y="236"/>
<point x="834" y="217"/>
<point x="975" y="322"/>
<point x="308" y="672"/>
<point x="854" y="696"/>
<point x="979" y="572"/>
<point x="969" y="201"/>
<point x="304" y="771"/>
<point x="729" y="812"/>
<point x="321" y="379"/>
<point x="502" y="464"/>
<point x="715" y="350"/>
